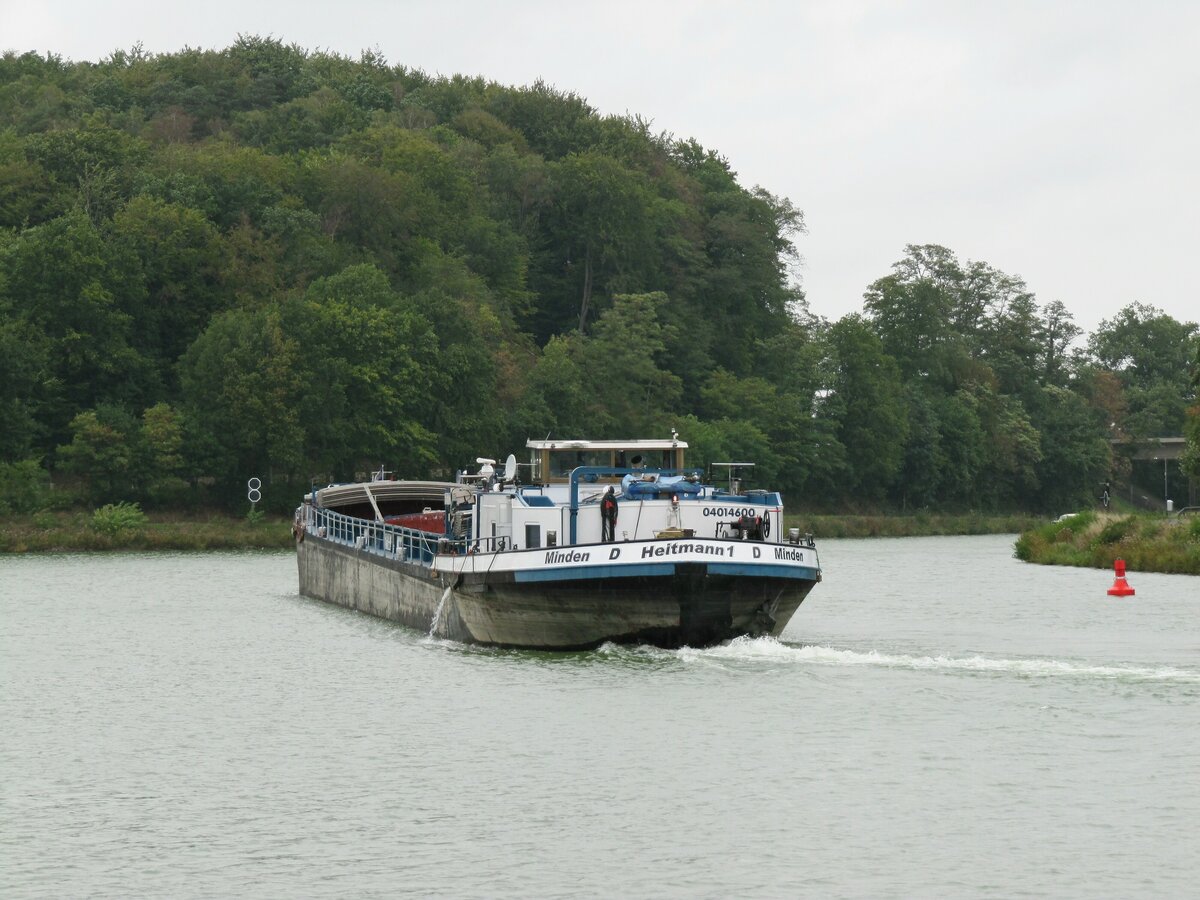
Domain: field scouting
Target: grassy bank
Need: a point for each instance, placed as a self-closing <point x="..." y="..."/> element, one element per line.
<point x="921" y="525"/>
<point x="1147" y="543"/>
<point x="76" y="531"/>
<point x="73" y="531"/>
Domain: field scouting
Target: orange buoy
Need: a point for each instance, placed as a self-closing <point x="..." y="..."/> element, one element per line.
<point x="1120" y="586"/>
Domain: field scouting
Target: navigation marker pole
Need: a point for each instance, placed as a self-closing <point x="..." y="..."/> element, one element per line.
<point x="1120" y="586"/>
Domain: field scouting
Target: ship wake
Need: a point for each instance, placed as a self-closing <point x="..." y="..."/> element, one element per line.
<point x="752" y="652"/>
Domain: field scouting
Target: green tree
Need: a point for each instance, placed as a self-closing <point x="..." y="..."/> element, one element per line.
<point x="1056" y="333"/>
<point x="921" y="472"/>
<point x="242" y="391"/>
<point x="557" y="400"/>
<point x="275" y="70"/>
<point x="963" y="449"/>
<point x="1190" y="462"/>
<point x="555" y="123"/>
<point x="370" y="363"/>
<point x="795" y="360"/>
<point x="181" y="257"/>
<point x="1012" y="449"/>
<point x="94" y="165"/>
<point x="599" y="216"/>
<point x="101" y="453"/>
<point x="743" y="286"/>
<point x="1145" y="346"/>
<point x="27" y="194"/>
<point x="24" y="486"/>
<point x="161" y="439"/>
<point x="867" y="404"/>
<point x="1012" y="340"/>
<point x="912" y="320"/>
<point x="317" y="120"/>
<point x="74" y="291"/>
<point x="730" y="440"/>
<point x="1076" y="457"/>
<point x="625" y="367"/>
<point x="1151" y="353"/>
<point x="333" y="383"/>
<point x="29" y="392"/>
<point x="388" y="216"/>
<point x="754" y="423"/>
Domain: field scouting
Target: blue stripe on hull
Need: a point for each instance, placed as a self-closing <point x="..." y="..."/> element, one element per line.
<point x="585" y="573"/>
<point x="763" y="570"/>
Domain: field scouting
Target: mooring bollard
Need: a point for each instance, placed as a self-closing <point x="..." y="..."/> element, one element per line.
<point x="1120" y="586"/>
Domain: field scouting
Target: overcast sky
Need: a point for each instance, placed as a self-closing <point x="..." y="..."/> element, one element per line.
<point x="1055" y="141"/>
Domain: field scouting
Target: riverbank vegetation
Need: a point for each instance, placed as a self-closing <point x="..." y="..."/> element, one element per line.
<point x="920" y="525"/>
<point x="1147" y="543"/>
<point x="129" y="529"/>
<point x="126" y="527"/>
<point x="265" y="261"/>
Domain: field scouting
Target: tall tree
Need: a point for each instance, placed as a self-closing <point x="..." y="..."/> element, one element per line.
<point x="1056" y="334"/>
<point x="911" y="310"/>
<point x="626" y="369"/>
<point x="1151" y="353"/>
<point x="181" y="258"/>
<point x="77" y="291"/>
<point x="867" y="403"/>
<point x="1076" y="457"/>
<point x="1191" y="455"/>
<point x="599" y="214"/>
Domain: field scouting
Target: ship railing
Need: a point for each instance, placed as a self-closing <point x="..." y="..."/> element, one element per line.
<point x="380" y="538"/>
<point x="497" y="543"/>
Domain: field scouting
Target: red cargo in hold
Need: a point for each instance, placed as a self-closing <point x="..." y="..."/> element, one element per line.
<point x="432" y="522"/>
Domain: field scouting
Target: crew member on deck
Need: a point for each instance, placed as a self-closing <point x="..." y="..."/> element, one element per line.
<point x="608" y="516"/>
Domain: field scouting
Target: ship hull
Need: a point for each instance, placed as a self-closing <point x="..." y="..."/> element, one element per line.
<point x="564" y="600"/>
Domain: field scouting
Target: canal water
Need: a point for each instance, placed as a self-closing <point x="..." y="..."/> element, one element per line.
<point x="940" y="719"/>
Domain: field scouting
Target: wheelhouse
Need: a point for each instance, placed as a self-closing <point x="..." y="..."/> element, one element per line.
<point x="551" y="462"/>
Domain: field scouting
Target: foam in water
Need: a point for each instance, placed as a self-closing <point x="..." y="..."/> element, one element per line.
<point x="772" y="650"/>
<point x="437" y="613"/>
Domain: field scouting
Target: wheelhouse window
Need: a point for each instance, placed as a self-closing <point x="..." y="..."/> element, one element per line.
<point x="555" y="464"/>
<point x="563" y="462"/>
<point x="645" y="459"/>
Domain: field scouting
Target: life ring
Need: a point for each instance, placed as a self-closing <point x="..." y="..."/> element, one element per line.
<point x="765" y="528"/>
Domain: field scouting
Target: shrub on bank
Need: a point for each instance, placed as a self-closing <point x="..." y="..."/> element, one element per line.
<point x="25" y="488"/>
<point x="1146" y="543"/>
<point x="113" y="518"/>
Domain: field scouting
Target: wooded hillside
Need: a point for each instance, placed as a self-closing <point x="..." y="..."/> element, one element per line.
<point x="274" y="262"/>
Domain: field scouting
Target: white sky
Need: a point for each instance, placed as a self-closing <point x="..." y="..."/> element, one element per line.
<point x="1058" y="141"/>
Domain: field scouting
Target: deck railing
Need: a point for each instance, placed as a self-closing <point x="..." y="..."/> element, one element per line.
<point x="391" y="541"/>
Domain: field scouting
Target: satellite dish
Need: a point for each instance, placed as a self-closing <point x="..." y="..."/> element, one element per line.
<point x="510" y="468"/>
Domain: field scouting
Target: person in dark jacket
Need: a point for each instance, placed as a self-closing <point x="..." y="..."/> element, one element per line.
<point x="608" y="516"/>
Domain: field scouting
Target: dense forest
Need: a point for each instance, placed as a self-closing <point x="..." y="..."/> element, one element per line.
<point x="296" y="265"/>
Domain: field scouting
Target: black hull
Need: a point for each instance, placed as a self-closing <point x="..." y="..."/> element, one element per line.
<point x="691" y="607"/>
